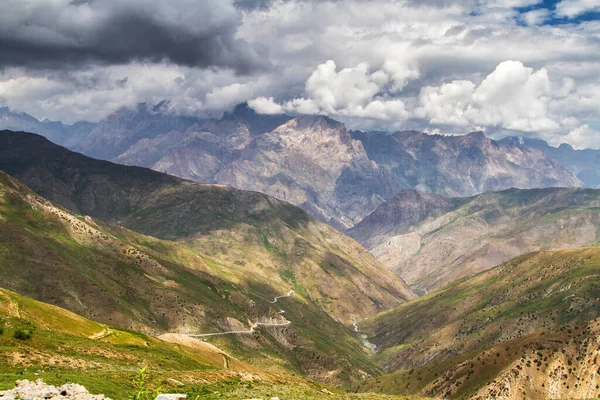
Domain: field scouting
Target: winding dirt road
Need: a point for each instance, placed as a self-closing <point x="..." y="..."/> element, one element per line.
<point x="253" y="327"/>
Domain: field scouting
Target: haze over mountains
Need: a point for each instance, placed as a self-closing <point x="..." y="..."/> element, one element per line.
<point x="336" y="175"/>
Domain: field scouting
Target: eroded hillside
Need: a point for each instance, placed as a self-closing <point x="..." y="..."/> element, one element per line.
<point x="527" y="328"/>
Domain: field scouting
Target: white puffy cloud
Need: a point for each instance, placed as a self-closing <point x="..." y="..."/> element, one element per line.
<point x="266" y="105"/>
<point x="351" y="92"/>
<point x="512" y="97"/>
<point x="573" y="8"/>
<point x="580" y="138"/>
<point x="536" y="17"/>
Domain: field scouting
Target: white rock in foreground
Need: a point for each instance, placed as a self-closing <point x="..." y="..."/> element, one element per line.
<point x="38" y="390"/>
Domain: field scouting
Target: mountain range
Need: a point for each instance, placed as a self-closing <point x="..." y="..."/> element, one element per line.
<point x="338" y="176"/>
<point x="276" y="294"/>
<point x="585" y="163"/>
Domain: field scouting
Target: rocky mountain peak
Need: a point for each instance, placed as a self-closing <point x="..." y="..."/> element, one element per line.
<point x="477" y="135"/>
<point x="257" y="123"/>
<point x="318" y="129"/>
<point x="318" y="122"/>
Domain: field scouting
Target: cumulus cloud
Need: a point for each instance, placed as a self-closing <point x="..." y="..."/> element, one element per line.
<point x="580" y="138"/>
<point x="573" y="8"/>
<point x="513" y="97"/>
<point x="395" y="64"/>
<point x="536" y="17"/>
<point x="64" y="33"/>
<point x="351" y="92"/>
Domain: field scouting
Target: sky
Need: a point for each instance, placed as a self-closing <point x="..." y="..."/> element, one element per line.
<point x="506" y="67"/>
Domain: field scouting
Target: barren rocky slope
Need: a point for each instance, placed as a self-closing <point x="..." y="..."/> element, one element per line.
<point x="401" y="214"/>
<point x="431" y="240"/>
<point x="528" y="328"/>
<point x="584" y="163"/>
<point x="312" y="162"/>
<point x="462" y="165"/>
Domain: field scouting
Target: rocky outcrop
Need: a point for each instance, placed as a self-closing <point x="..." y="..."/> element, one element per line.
<point x="38" y="390"/>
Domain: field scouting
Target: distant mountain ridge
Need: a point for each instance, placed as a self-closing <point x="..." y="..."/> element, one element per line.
<point x="583" y="163"/>
<point x="337" y="175"/>
<point x="458" y="166"/>
<point x="57" y="132"/>
<point x="430" y="240"/>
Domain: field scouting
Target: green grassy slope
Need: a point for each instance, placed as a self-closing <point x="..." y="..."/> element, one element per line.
<point x="506" y="312"/>
<point x="65" y="347"/>
<point x="125" y="279"/>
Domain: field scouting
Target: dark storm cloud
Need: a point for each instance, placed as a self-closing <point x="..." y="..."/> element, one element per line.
<point x="51" y="35"/>
<point x="249" y="5"/>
